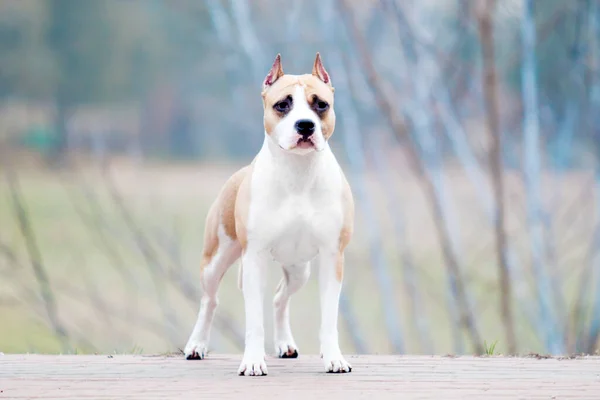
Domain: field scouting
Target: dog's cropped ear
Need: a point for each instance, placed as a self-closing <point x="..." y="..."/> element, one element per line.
<point x="319" y="70"/>
<point x="275" y="73"/>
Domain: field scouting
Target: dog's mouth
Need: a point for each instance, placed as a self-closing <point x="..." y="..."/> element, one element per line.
<point x="305" y="143"/>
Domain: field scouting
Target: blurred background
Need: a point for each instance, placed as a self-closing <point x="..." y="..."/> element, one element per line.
<point x="468" y="129"/>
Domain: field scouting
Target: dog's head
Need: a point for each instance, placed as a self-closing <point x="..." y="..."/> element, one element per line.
<point x="299" y="114"/>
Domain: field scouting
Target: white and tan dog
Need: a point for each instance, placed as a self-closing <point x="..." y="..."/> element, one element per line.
<point x="291" y="205"/>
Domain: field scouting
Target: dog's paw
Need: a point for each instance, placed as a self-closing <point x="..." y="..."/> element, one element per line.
<point x="195" y="350"/>
<point x="253" y="366"/>
<point x="336" y="364"/>
<point x="286" y="349"/>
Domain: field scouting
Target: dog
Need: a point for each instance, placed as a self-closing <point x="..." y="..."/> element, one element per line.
<point x="292" y="206"/>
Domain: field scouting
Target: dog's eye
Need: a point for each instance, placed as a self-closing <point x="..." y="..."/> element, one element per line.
<point x="284" y="105"/>
<point x="320" y="106"/>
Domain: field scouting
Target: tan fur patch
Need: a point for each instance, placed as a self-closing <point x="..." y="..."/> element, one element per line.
<point x="347" y="227"/>
<point x="211" y="239"/>
<point x="228" y="200"/>
<point x="242" y="206"/>
<point x="339" y="267"/>
<point x="222" y="212"/>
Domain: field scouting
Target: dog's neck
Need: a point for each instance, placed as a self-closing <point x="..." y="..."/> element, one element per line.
<point x="299" y="170"/>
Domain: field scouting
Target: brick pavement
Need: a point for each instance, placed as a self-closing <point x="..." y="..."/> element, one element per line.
<point x="373" y="377"/>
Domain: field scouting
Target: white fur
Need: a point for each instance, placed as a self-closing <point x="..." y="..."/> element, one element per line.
<point x="295" y="217"/>
<point x="329" y="293"/>
<point x="294" y="277"/>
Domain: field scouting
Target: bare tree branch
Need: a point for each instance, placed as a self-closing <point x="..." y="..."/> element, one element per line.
<point x="486" y="29"/>
<point x="399" y="128"/>
<point x="553" y="341"/>
<point x="35" y="258"/>
<point x="156" y="271"/>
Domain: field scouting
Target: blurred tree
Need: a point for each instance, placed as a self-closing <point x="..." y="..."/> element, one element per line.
<point x="11" y="36"/>
<point x="210" y="54"/>
<point x="79" y="37"/>
<point x="24" y="55"/>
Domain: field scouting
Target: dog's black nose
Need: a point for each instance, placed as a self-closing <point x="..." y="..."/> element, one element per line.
<point x="305" y="127"/>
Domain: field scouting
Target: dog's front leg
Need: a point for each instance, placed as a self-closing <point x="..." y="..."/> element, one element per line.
<point x="253" y="285"/>
<point x="330" y="286"/>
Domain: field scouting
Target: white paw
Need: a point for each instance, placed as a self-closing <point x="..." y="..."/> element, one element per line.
<point x="253" y="366"/>
<point x="195" y="350"/>
<point x="336" y="363"/>
<point x="286" y="349"/>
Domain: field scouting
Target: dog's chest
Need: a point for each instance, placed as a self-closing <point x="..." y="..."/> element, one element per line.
<point x="294" y="226"/>
<point x="298" y="229"/>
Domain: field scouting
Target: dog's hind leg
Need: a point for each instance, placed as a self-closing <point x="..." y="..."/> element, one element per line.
<point x="294" y="278"/>
<point x="227" y="252"/>
<point x="221" y="249"/>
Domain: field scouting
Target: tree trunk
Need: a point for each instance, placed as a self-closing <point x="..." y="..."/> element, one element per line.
<point x="490" y="84"/>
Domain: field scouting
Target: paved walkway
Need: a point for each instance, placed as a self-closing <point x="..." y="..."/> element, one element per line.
<point x="373" y="378"/>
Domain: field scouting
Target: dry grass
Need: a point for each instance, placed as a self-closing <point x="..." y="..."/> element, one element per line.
<point x="104" y="311"/>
